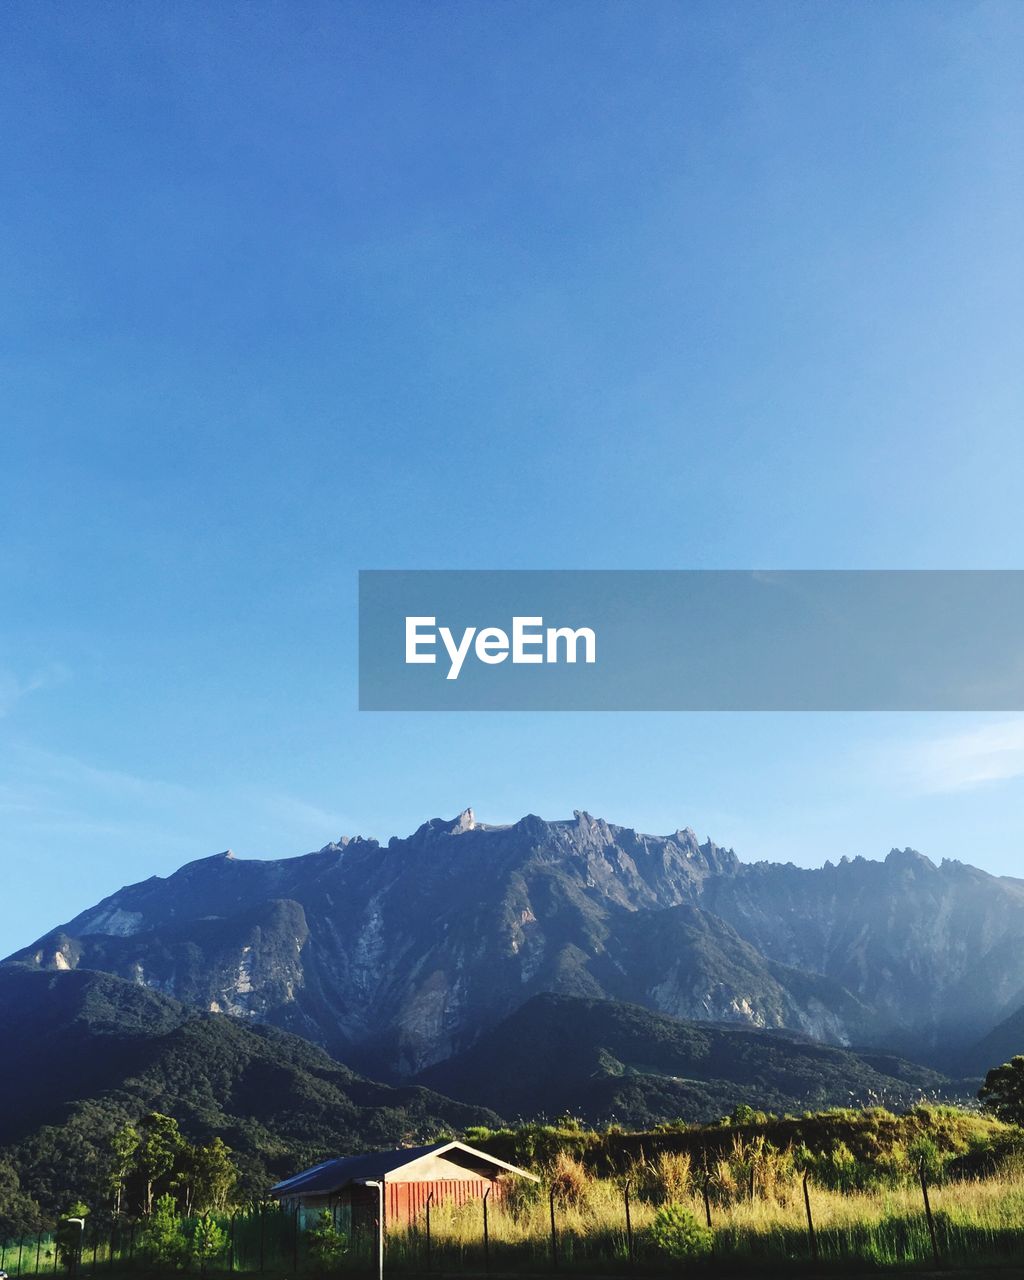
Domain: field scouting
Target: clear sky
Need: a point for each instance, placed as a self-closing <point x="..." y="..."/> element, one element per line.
<point x="291" y="290"/>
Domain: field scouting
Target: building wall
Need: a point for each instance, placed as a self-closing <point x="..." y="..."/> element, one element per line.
<point x="309" y="1209"/>
<point x="450" y="1181"/>
<point x="406" y="1202"/>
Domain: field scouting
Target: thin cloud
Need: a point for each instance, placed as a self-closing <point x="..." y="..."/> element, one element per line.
<point x="13" y="689"/>
<point x="306" y="817"/>
<point x="50" y="767"/>
<point x="976" y="757"/>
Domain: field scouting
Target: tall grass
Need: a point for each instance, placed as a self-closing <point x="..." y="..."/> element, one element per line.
<point x="756" y="1199"/>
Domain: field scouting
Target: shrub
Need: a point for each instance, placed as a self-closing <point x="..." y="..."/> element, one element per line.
<point x="673" y="1177"/>
<point x="925" y="1154"/>
<point x="569" y="1181"/>
<point x="164" y="1241"/>
<point x="209" y="1240"/>
<point x="327" y="1245"/>
<point x="69" y="1236"/>
<point x="677" y="1233"/>
<point x="518" y="1195"/>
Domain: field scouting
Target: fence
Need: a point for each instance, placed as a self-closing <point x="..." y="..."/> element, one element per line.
<point x="259" y="1238"/>
<point x="478" y="1238"/>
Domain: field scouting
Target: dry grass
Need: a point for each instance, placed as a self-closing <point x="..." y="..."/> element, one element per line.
<point x="980" y="1219"/>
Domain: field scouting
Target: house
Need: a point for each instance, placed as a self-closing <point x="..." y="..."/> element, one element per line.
<point x="451" y="1172"/>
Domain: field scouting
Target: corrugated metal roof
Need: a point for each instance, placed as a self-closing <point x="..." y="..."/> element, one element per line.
<point x="332" y="1175"/>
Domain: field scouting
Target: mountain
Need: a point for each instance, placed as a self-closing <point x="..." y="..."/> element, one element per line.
<point x="937" y="952"/>
<point x="607" y="1061"/>
<point x="396" y="957"/>
<point x="1002" y="1043"/>
<point x="85" y="1051"/>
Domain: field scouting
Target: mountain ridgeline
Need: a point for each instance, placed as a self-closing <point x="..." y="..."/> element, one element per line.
<point x="395" y="958"/>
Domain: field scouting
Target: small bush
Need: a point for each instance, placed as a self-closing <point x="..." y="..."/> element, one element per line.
<point x="569" y="1181"/>
<point x="677" y="1233"/>
<point x="517" y="1196"/>
<point x="209" y="1240"/>
<point x="327" y="1245"/>
<point x="673" y="1177"/>
<point x="164" y="1241"/>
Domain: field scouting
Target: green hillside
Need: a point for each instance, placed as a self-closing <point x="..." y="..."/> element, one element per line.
<point x="607" y="1061"/>
<point x="84" y="1052"/>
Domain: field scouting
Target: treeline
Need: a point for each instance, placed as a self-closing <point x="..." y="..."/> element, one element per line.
<point x="155" y="1161"/>
<point x="126" y="1177"/>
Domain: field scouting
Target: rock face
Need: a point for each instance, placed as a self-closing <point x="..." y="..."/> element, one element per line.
<point x="936" y="952"/>
<point x="395" y="957"/>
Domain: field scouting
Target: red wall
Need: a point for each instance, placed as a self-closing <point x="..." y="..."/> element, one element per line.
<point x="405" y="1203"/>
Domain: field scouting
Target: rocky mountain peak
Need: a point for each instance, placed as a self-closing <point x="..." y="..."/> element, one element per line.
<point x="464" y="822"/>
<point x="396" y="959"/>
<point x="909" y="859"/>
<point x="435" y="828"/>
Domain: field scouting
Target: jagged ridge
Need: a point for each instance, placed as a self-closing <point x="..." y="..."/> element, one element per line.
<point x="395" y="957"/>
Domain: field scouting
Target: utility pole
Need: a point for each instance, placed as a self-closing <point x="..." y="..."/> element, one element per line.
<point x="380" y="1227"/>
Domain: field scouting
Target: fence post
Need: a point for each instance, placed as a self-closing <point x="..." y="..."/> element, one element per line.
<point x="811" y="1236"/>
<point x="430" y="1199"/>
<point x="21" y="1246"/>
<point x="928" y="1214"/>
<point x="554" y="1235"/>
<point x="487" y="1236"/>
<point x="263" y="1232"/>
<point x="295" y="1240"/>
<point x="629" y="1222"/>
<point x="231" y="1243"/>
<point x="707" y="1200"/>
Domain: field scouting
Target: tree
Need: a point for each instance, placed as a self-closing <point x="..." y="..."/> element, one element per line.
<point x="164" y="1241"/>
<point x="124" y="1145"/>
<point x="160" y="1141"/>
<point x="209" y="1240"/>
<point x="213" y="1177"/>
<point x="19" y="1213"/>
<point x="1003" y="1091"/>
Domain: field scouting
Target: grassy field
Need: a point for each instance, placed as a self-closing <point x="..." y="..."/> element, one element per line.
<point x="859" y="1173"/>
<point x="976" y="1221"/>
<point x="863" y="1181"/>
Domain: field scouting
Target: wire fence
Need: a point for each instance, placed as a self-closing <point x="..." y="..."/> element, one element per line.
<point x="261" y="1238"/>
<point x="264" y="1238"/>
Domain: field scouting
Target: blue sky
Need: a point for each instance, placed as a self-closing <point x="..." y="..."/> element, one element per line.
<point x="291" y="290"/>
